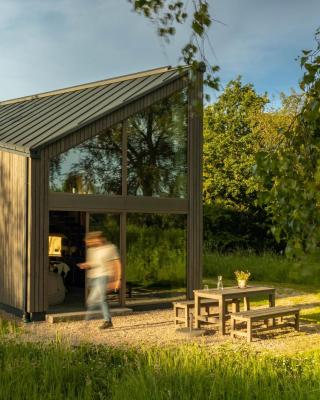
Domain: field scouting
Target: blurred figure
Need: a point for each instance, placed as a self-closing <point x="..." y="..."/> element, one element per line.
<point x="103" y="273"/>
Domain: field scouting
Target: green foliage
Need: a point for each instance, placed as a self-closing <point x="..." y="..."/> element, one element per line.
<point x="290" y="175"/>
<point x="227" y="229"/>
<point x="167" y="14"/>
<point x="156" y="256"/>
<point x="230" y="146"/>
<point x="237" y="130"/>
<point x="236" y="127"/>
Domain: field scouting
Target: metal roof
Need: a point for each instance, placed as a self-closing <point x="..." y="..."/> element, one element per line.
<point x="30" y="123"/>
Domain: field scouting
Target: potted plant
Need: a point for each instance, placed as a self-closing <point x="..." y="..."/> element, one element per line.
<point x="242" y="278"/>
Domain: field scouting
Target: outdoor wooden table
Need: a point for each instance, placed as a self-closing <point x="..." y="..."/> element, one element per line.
<point x="221" y="295"/>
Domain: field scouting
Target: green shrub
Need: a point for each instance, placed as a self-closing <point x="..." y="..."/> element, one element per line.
<point x="227" y="229"/>
<point x="156" y="256"/>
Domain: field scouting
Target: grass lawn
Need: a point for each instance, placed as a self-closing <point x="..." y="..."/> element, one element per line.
<point x="58" y="371"/>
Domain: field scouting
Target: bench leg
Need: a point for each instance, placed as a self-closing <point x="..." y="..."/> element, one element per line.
<point x="187" y="316"/>
<point x="175" y="310"/>
<point x="249" y="331"/>
<point x="233" y="327"/>
<point x="197" y="312"/>
<point x="296" y="323"/>
<point x="222" y="316"/>
<point x="235" y="305"/>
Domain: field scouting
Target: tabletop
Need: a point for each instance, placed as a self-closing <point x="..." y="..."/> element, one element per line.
<point x="236" y="291"/>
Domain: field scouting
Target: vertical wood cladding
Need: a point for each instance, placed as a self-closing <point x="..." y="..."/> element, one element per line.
<point x="12" y="228"/>
<point x="38" y="235"/>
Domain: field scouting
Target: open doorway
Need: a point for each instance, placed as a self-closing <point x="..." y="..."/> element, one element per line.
<point x="66" y="282"/>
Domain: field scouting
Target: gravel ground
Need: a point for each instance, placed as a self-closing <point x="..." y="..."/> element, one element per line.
<point x="156" y="328"/>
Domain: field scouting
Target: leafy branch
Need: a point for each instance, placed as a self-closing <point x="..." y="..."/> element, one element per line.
<point x="167" y="14"/>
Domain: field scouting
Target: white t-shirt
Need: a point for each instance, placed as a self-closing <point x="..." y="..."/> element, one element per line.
<point x="100" y="258"/>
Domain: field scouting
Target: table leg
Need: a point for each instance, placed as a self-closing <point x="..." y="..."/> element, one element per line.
<point x="196" y="311"/>
<point x="222" y="316"/>
<point x="246" y="303"/>
<point x="233" y="327"/>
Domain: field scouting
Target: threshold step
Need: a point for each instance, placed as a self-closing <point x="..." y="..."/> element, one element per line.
<point x="80" y="315"/>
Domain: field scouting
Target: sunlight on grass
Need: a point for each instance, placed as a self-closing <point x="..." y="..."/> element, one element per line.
<point x="59" y="371"/>
<point x="8" y="327"/>
<point x="311" y="315"/>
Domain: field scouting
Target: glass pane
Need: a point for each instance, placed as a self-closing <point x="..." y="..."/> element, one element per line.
<point x="93" y="167"/>
<point x="109" y="224"/>
<point x="156" y="255"/>
<point x="157" y="149"/>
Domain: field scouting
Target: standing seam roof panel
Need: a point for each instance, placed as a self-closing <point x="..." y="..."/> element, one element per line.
<point x="37" y="107"/>
<point x="63" y="105"/>
<point x="73" y="121"/>
<point x="67" y="119"/>
<point x="36" y="120"/>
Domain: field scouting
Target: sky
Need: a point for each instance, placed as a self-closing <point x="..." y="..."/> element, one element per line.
<point x="51" y="44"/>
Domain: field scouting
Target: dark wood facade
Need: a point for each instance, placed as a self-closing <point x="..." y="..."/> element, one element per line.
<point x="30" y="202"/>
<point x="13" y="228"/>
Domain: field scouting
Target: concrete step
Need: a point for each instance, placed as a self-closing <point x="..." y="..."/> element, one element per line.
<point x="80" y="315"/>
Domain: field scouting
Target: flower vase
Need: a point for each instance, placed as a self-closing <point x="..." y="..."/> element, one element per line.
<point x="242" y="283"/>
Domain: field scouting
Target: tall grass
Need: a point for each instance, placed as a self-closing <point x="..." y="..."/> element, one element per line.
<point x="193" y="373"/>
<point x="8" y="327"/>
<point x="31" y="371"/>
<point x="266" y="267"/>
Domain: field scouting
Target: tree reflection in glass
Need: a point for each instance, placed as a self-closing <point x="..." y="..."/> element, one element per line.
<point x="157" y="149"/>
<point x="156" y="156"/>
<point x="94" y="167"/>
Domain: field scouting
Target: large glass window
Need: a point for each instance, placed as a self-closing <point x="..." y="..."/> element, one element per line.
<point x="157" y="149"/>
<point x="156" y="255"/>
<point x="108" y="224"/>
<point x="93" y="167"/>
<point x="156" y="156"/>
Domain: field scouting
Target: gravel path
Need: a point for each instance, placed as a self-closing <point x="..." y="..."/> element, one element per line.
<point x="155" y="328"/>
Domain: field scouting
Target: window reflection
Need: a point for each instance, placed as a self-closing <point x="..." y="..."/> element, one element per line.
<point x="157" y="149"/>
<point x="156" y="156"/>
<point x="156" y="252"/>
<point x="94" y="167"/>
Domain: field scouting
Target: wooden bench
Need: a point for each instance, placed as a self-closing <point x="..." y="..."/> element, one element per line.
<point x="262" y="314"/>
<point x="187" y="305"/>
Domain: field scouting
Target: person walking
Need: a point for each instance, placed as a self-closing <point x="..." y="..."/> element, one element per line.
<point x="103" y="273"/>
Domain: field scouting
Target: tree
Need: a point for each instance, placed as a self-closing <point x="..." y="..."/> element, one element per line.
<point x="230" y="144"/>
<point x="236" y="128"/>
<point x="290" y="175"/>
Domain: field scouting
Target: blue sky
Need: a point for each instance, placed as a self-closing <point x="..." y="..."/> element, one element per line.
<point x="49" y="44"/>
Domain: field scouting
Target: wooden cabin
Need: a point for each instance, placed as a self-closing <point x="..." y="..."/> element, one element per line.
<point x="122" y="155"/>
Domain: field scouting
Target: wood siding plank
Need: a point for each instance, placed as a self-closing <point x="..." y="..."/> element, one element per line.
<point x="12" y="228"/>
